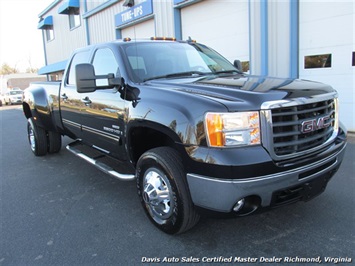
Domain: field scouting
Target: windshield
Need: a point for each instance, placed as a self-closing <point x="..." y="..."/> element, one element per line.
<point x="158" y="60"/>
<point x="15" y="92"/>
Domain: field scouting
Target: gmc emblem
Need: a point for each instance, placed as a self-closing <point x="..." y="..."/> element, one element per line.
<point x="315" y="124"/>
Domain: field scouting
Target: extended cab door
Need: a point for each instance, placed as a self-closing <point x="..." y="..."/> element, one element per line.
<point x="70" y="100"/>
<point x="103" y="114"/>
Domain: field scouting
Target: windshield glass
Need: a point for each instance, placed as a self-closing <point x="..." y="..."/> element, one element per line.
<point x="15" y="92"/>
<point x="157" y="60"/>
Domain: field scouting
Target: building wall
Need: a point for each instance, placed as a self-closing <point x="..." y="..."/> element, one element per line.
<point x="65" y="40"/>
<point x="223" y="25"/>
<point x="273" y="36"/>
<point x="144" y="29"/>
<point x="102" y="24"/>
<point x="94" y="4"/>
<point x="164" y="18"/>
<point x="328" y="28"/>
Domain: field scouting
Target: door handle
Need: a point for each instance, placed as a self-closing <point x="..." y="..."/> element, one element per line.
<point x="86" y="100"/>
<point x="64" y="96"/>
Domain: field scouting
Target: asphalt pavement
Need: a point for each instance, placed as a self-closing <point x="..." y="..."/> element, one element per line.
<point x="59" y="210"/>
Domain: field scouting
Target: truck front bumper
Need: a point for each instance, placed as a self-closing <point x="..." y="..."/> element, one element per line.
<point x="302" y="183"/>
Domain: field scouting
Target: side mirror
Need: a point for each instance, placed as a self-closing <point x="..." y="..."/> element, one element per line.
<point x="87" y="81"/>
<point x="85" y="78"/>
<point x="238" y="65"/>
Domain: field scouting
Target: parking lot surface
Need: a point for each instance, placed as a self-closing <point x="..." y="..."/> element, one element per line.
<point x="59" y="210"/>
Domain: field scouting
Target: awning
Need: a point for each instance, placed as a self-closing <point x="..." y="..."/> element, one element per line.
<point x="46" y="22"/>
<point x="56" y="67"/>
<point x="64" y="9"/>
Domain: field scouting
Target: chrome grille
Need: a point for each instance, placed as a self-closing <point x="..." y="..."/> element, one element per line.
<point x="299" y="126"/>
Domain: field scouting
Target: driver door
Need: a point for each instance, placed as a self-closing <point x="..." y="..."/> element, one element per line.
<point x="103" y="115"/>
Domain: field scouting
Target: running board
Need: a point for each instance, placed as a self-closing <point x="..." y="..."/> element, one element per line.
<point x="97" y="159"/>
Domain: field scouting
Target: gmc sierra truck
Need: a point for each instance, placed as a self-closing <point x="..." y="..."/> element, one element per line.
<point x="195" y="132"/>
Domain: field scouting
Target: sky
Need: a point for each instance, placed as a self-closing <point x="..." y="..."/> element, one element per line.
<point x="20" y="41"/>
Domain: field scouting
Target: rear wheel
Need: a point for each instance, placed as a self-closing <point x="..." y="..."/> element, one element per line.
<point x="37" y="138"/>
<point x="162" y="189"/>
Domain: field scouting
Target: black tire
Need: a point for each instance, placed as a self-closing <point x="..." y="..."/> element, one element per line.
<point x="163" y="191"/>
<point x="54" y="142"/>
<point x="37" y="138"/>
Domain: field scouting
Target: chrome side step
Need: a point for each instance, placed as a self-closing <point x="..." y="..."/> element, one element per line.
<point x="96" y="162"/>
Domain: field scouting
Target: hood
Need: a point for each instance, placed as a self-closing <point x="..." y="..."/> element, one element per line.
<point x="241" y="92"/>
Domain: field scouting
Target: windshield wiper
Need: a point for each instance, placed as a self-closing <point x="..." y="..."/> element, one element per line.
<point x="180" y="74"/>
<point x="232" y="71"/>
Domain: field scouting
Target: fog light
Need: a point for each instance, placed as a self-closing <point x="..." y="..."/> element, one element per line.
<point x="239" y="205"/>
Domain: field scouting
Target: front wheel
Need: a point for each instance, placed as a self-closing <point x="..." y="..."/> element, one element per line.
<point x="162" y="189"/>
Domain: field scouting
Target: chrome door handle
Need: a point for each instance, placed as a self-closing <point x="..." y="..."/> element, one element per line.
<point x="86" y="100"/>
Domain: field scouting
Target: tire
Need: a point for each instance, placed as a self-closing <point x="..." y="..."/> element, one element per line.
<point x="37" y="138"/>
<point x="163" y="191"/>
<point x="54" y="142"/>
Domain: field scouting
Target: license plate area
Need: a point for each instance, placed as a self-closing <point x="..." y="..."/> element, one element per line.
<point x="303" y="192"/>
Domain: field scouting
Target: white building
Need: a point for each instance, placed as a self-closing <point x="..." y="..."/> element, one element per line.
<point x="18" y="80"/>
<point x="307" y="39"/>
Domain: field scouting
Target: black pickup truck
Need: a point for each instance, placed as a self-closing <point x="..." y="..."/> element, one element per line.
<point x="193" y="131"/>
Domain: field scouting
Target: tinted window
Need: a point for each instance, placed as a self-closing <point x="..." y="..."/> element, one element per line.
<point x="79" y="58"/>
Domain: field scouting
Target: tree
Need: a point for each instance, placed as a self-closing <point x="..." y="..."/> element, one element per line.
<point x="31" y="70"/>
<point x="7" y="69"/>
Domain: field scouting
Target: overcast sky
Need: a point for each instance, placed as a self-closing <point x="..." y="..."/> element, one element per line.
<point x="20" y="40"/>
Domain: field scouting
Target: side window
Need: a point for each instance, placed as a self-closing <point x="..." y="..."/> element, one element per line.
<point x="81" y="57"/>
<point x="105" y="62"/>
<point x="74" y="18"/>
<point x="50" y="34"/>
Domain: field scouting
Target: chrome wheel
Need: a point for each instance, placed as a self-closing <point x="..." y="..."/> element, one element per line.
<point x="157" y="195"/>
<point x="31" y="137"/>
<point x="163" y="190"/>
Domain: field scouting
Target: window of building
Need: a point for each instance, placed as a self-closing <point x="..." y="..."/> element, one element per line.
<point x="74" y="18"/>
<point x="49" y="34"/>
<point x="318" y="61"/>
<point x="56" y="76"/>
<point x="353" y="58"/>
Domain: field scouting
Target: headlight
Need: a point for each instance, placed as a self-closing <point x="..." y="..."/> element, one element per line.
<point x="232" y="129"/>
